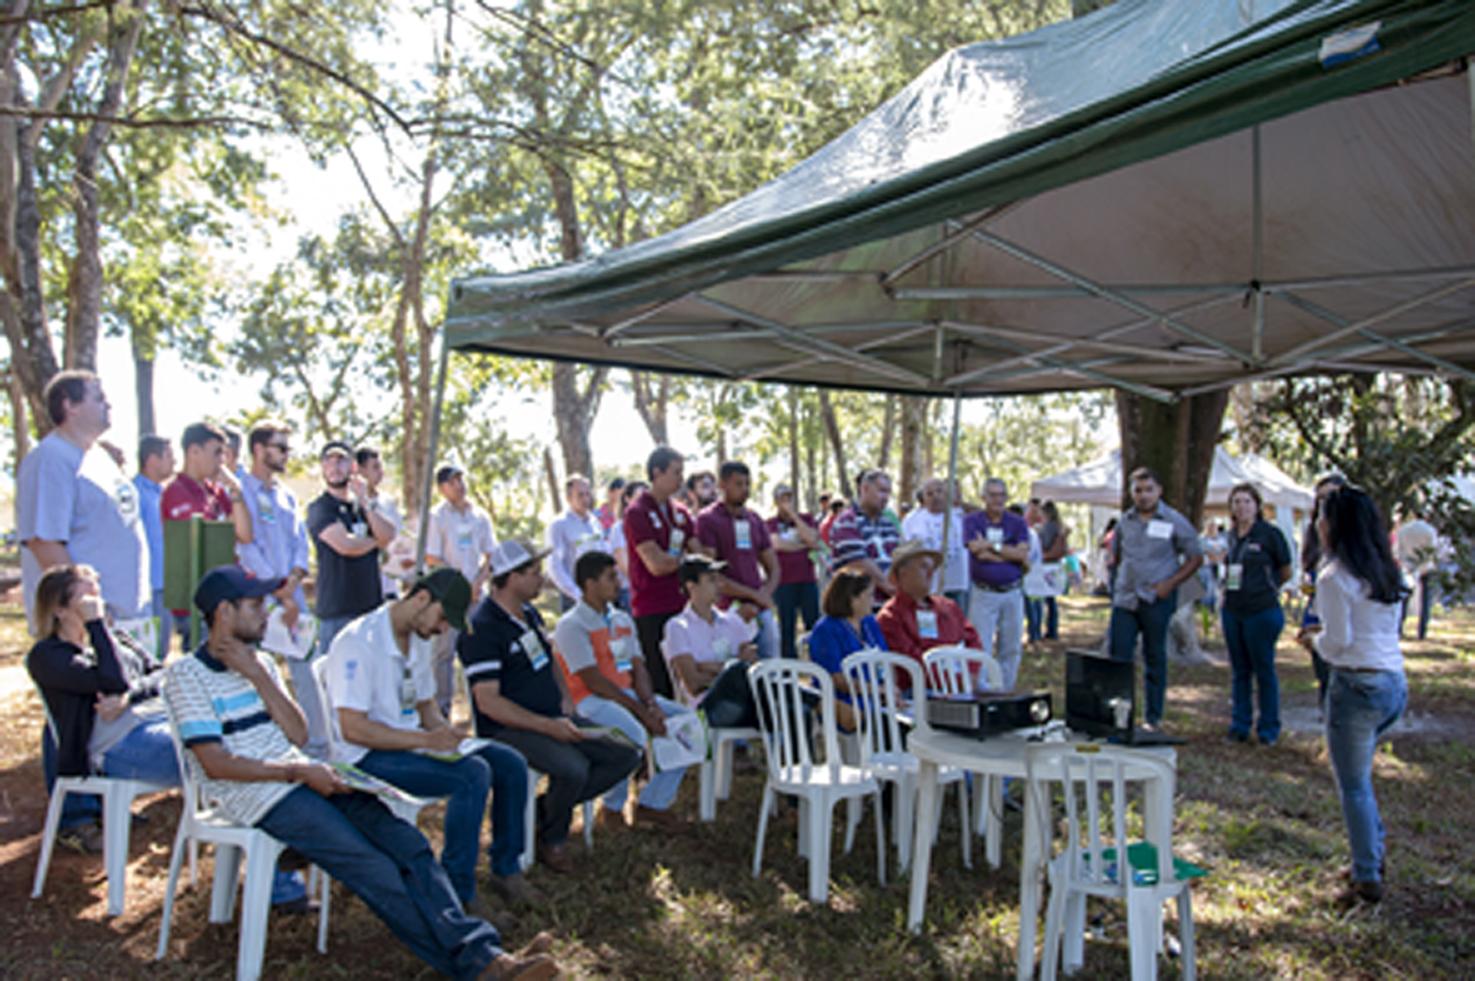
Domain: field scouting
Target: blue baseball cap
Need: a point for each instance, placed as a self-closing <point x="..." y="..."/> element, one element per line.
<point x="231" y="582"/>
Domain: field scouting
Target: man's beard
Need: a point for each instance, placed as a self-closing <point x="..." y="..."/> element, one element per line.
<point x="249" y="635"/>
<point x="338" y="485"/>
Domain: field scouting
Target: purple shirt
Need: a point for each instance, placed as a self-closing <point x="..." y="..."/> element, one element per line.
<point x="738" y="546"/>
<point x="1010" y="529"/>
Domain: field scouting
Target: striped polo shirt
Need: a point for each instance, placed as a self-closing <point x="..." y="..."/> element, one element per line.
<point x="212" y="704"/>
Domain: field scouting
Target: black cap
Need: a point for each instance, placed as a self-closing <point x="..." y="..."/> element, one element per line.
<point x="446" y="472"/>
<point x="230" y="582"/>
<point x="693" y="567"/>
<point x="336" y="446"/>
<point x="449" y="588"/>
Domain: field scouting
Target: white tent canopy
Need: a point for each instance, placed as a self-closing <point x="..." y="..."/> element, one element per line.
<point x="1099" y="483"/>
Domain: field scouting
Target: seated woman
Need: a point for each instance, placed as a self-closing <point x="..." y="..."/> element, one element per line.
<point x="100" y="688"/>
<point x="846" y="627"/>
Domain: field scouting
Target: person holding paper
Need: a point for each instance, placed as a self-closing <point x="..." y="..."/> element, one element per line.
<point x="381" y="690"/>
<point x="1156" y="550"/>
<point x="244" y="735"/>
<point x="520" y="699"/>
<point x="609" y="685"/>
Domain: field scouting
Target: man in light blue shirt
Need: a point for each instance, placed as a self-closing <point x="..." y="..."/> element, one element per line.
<point x="155" y="466"/>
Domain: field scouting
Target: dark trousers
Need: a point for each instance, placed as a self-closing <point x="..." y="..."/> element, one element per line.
<point x="795" y="599"/>
<point x="1251" y="641"/>
<point x="77" y="809"/>
<point x="1150" y="620"/>
<point x="389" y="865"/>
<point x="651" y="629"/>
<point x="576" y="772"/>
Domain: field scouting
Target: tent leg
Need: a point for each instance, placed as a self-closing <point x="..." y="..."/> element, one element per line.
<point x="1257" y="338"/>
<point x="428" y="485"/>
<point x="952" y="482"/>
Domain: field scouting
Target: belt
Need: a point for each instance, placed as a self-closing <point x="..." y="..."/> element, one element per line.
<point x="1336" y="667"/>
<point x="998" y="589"/>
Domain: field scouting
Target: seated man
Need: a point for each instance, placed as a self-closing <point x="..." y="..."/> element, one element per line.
<point x="709" y="649"/>
<point x="520" y="700"/>
<point x="245" y="733"/>
<point x="381" y="686"/>
<point x="607" y="680"/>
<point x="915" y="620"/>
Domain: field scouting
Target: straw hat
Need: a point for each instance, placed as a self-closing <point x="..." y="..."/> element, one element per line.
<point x="913" y="548"/>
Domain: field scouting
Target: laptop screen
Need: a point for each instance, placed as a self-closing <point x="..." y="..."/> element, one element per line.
<point x="1099" y="694"/>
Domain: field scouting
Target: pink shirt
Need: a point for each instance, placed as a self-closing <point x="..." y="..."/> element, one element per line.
<point x="670" y="526"/>
<point x="687" y="633"/>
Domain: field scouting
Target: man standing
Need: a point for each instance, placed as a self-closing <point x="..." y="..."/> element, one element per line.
<point x="519" y="699"/>
<point x="155" y="465"/>
<point x="864" y="535"/>
<point x="460" y="537"/>
<point x="232" y="462"/>
<point x="397" y="560"/>
<point x="243" y="732"/>
<point x="609" y="511"/>
<point x="998" y="543"/>
<point x="728" y="531"/>
<point x="915" y="620"/>
<point x="609" y="685"/>
<point x="701" y="491"/>
<point x="347" y="535"/>
<point x="659" y="531"/>
<point x="204" y="486"/>
<point x="278" y="550"/>
<point x="1156" y="551"/>
<point x="794" y="536"/>
<point x="925" y="523"/>
<point x="1415" y="543"/>
<point x="385" y="722"/>
<point x="575" y="532"/>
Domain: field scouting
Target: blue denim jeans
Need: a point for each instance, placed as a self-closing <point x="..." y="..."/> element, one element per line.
<point x="389" y="865"/>
<point x="1150" y="620"/>
<point x="795" y="600"/>
<point x="1034" y="608"/>
<point x="1360" y="706"/>
<point x="146" y="753"/>
<point x="466" y="783"/>
<point x="660" y="792"/>
<point x="1251" y="641"/>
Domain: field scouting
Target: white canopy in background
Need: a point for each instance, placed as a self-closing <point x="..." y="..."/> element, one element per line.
<point x="1099" y="483"/>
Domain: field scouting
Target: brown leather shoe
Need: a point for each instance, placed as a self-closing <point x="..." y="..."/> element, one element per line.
<point x="541" y="944"/>
<point x="515" y="890"/>
<point x="509" y="968"/>
<point x="610" y="820"/>
<point x="556" y="858"/>
<point x="649" y="817"/>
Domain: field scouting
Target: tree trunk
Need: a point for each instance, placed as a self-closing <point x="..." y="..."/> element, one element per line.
<point x="84" y="284"/>
<point x="888" y="425"/>
<point x="913" y="433"/>
<point x="794" y="483"/>
<point x="550" y="470"/>
<point x="652" y="394"/>
<point x="837" y="445"/>
<point x="20" y="432"/>
<point x="1177" y="441"/>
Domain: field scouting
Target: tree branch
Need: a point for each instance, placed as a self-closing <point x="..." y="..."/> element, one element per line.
<point x="135" y="122"/>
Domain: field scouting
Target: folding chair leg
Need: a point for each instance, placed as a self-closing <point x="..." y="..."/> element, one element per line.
<point x="589" y="824"/>
<point x="176" y="857"/>
<point x="880" y="841"/>
<point x="1055" y="927"/>
<point x="1185" y="933"/>
<point x="530" y="821"/>
<point x="117" y="820"/>
<point x="906" y="813"/>
<point x="227" y="878"/>
<point x="804" y="847"/>
<point x="1140" y="911"/>
<point x="324" y="901"/>
<point x="48" y="839"/>
<point x="724" y="755"/>
<point x="1073" y="947"/>
<point x="852" y="821"/>
<point x="763" y="813"/>
<point x="707" y="791"/>
<point x="821" y="813"/>
<point x="255" y="911"/>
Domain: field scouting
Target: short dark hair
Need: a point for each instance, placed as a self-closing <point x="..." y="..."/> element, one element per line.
<point x="1250" y="489"/>
<point x="446" y="473"/>
<point x="64" y="387"/>
<point x="631" y="489"/>
<point x="697" y="478"/>
<point x="616" y="483"/>
<point x="591" y="565"/>
<point x="845" y="585"/>
<point x="338" y="445"/>
<point x="200" y="433"/>
<point x="265" y="431"/>
<point x="733" y="468"/>
<point x="364" y="454"/>
<point x="660" y="461"/>
<point x="869" y="476"/>
<point x="1144" y="473"/>
<point x="151" y="446"/>
<point x="837" y="505"/>
<point x="232" y="438"/>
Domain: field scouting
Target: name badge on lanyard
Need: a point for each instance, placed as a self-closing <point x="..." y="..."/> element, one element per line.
<point x="1234" y="576"/>
<point x="927" y="624"/>
<point x="678" y="538"/>
<point x="623" y="649"/>
<point x="532" y="646"/>
<point x="994" y="536"/>
<point x="407" y="694"/>
<point x="742" y="535"/>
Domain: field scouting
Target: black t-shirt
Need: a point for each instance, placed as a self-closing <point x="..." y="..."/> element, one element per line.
<point x="1260" y="555"/>
<point x="346" y="587"/>
<point x="516" y="655"/>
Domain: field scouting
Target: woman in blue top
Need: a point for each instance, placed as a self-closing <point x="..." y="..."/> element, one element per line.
<point x="846" y="627"/>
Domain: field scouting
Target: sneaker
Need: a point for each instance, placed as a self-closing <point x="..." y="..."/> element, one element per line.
<point x="1359" y="894"/>
<point x="509" y="968"/>
<point x="515" y="890"/>
<point x="85" y="839"/>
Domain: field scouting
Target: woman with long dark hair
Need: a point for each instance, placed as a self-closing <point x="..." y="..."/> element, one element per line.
<point x="1359" y="596"/>
<point x="1257" y="564"/>
<point x="1310" y="560"/>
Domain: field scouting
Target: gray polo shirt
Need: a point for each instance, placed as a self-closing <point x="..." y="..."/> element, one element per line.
<point x="1150" y="550"/>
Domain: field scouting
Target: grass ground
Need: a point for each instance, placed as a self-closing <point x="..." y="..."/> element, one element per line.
<point x="1265" y="821"/>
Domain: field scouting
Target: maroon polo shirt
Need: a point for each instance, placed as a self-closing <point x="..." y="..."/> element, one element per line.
<point x="738" y="540"/>
<point x="793" y="566"/>
<point x="648" y="520"/>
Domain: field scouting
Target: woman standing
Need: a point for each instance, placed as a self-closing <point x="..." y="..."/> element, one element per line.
<point x="1257" y="563"/>
<point x="1359" y="595"/>
<point x="1310" y="562"/>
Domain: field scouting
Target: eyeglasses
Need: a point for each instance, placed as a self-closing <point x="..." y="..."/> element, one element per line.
<point x="280" y="446"/>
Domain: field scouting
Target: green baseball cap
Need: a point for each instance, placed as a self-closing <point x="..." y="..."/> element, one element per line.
<point x="451" y="590"/>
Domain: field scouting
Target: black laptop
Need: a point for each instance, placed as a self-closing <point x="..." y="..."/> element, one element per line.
<point x="1101" y="700"/>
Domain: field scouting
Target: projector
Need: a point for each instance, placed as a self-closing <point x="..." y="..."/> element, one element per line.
<point x="988" y="713"/>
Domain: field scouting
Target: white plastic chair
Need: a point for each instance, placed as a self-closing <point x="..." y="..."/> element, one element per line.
<point x="876" y="699"/>
<point x="958" y="671"/>
<point x="200" y="823"/>
<point x="117" y="820"/>
<point x="1089" y="862"/>
<point x="530" y="818"/>
<point x="793" y="768"/>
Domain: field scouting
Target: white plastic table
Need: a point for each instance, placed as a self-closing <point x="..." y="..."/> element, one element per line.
<point x="999" y="756"/>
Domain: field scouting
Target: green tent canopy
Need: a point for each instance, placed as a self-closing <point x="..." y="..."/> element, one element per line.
<point x="1168" y="196"/>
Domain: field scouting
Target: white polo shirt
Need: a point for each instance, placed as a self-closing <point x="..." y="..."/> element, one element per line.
<point x="366" y="672"/>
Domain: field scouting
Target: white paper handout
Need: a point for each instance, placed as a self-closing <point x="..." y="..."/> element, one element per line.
<point x="683" y="745"/>
<point x="295" y="644"/>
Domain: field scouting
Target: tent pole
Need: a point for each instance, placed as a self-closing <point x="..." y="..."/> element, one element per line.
<point x="427" y="486"/>
<point x="1257" y="346"/>
<point x="952" y="482"/>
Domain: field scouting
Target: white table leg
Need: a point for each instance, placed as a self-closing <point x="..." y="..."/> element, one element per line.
<point x="1029" y="884"/>
<point x="922" y="824"/>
